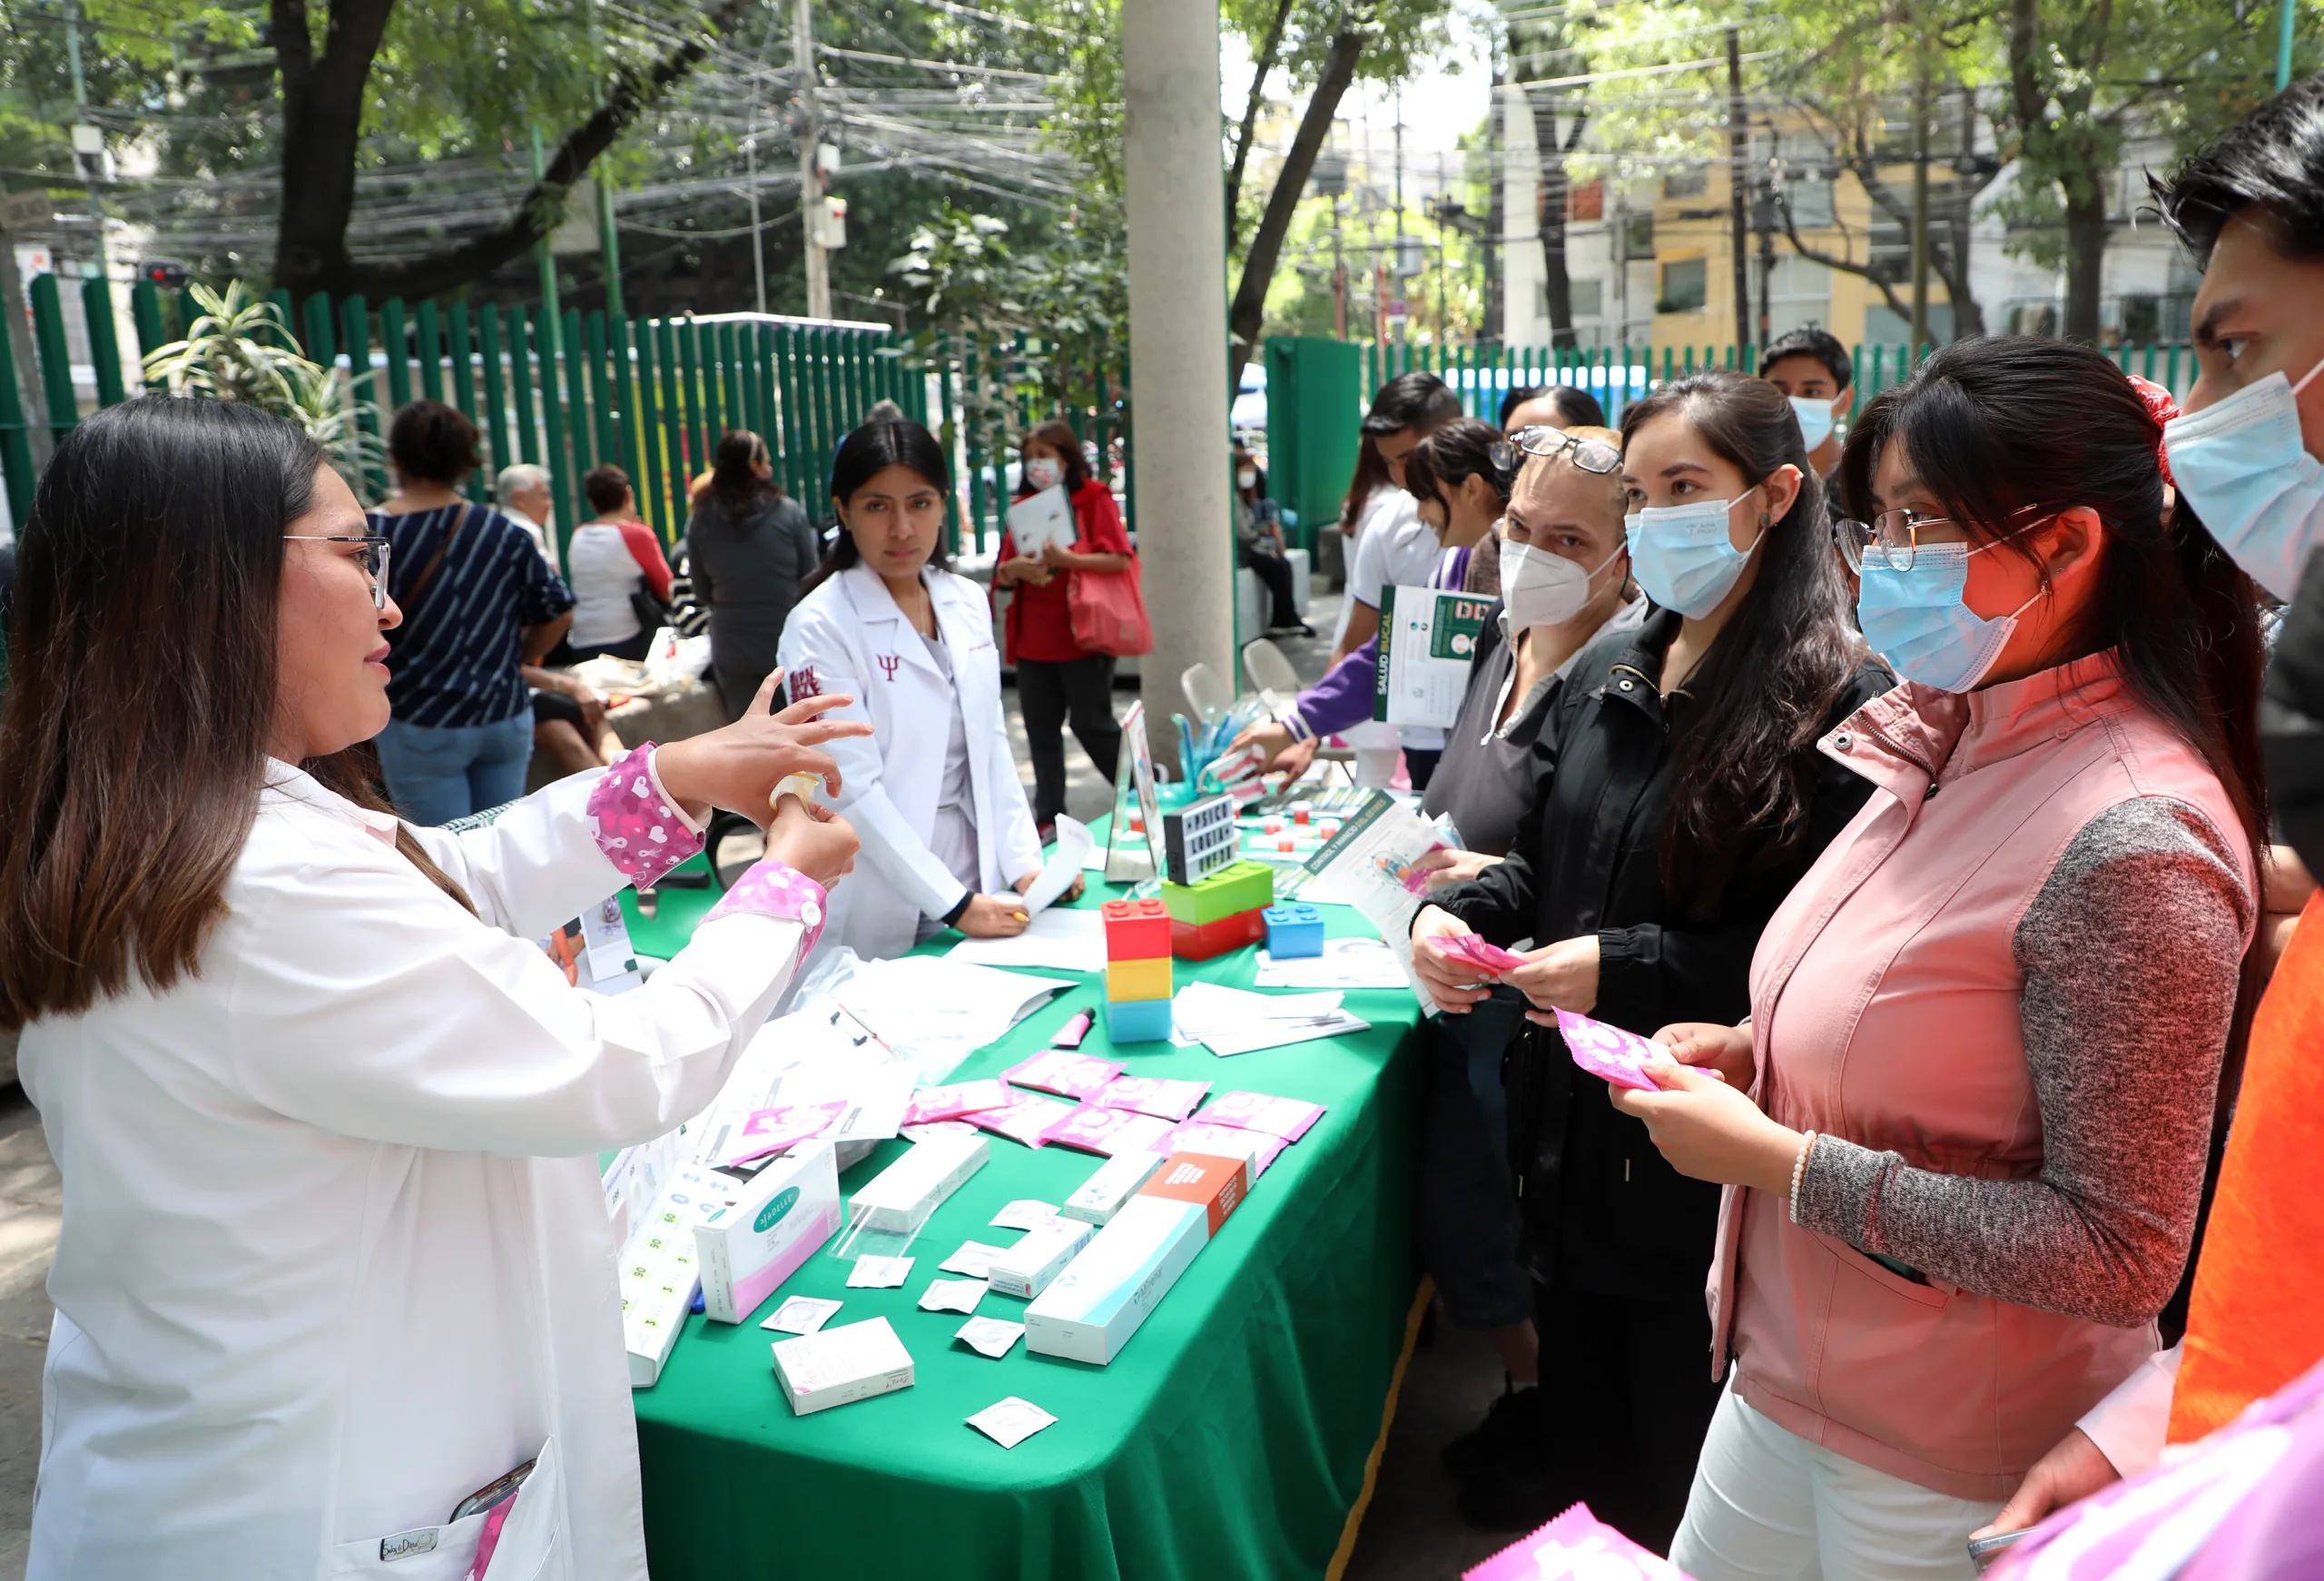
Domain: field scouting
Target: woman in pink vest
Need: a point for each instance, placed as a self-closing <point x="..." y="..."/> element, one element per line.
<point x="1987" y="1026"/>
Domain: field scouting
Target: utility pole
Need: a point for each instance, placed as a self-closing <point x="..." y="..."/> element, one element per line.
<point x="1920" y="200"/>
<point x="548" y="351"/>
<point x="810" y="170"/>
<point x="1339" y="276"/>
<point x="93" y="171"/>
<point x="758" y="248"/>
<point x="1738" y="143"/>
<point x="1764" y="220"/>
<point x="608" y="238"/>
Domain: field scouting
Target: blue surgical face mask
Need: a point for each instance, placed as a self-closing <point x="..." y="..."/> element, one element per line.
<point x="2243" y="467"/>
<point x="1815" y="414"/>
<point x="1917" y="621"/>
<point x="1684" y="556"/>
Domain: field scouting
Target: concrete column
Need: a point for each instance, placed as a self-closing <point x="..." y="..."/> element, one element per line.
<point x="1177" y="195"/>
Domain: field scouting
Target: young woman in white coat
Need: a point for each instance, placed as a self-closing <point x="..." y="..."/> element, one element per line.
<point x="334" y="1255"/>
<point x="934" y="794"/>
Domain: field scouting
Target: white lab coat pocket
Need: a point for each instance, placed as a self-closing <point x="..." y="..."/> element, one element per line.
<point x="444" y="1553"/>
<point x="448" y="1553"/>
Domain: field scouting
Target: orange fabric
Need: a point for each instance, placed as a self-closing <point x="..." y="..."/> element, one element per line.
<point x="2256" y="1316"/>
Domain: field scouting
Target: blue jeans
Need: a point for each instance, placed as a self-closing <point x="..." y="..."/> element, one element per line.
<point x="436" y="773"/>
<point x="1467" y="1218"/>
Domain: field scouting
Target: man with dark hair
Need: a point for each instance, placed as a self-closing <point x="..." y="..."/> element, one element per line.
<point x="1556" y="406"/>
<point x="2245" y="457"/>
<point x="1811" y="367"/>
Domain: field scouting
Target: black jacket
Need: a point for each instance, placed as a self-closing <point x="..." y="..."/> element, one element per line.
<point x="2291" y="719"/>
<point x="1603" y="1211"/>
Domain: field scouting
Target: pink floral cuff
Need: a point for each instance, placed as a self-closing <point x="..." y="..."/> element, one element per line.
<point x="641" y="830"/>
<point x="772" y="890"/>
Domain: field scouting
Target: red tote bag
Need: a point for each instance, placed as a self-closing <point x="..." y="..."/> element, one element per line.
<point x="1108" y="612"/>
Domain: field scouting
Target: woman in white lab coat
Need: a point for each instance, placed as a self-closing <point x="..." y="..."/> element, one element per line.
<point x="934" y="794"/>
<point x="334" y="1254"/>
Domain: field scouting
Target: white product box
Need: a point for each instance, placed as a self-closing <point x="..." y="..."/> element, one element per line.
<point x="1104" y="1294"/>
<point x="838" y="1366"/>
<point x="1115" y="1184"/>
<point x="1027" y="1268"/>
<point x="660" y="1267"/>
<point x="775" y="1222"/>
<point x="901" y="1197"/>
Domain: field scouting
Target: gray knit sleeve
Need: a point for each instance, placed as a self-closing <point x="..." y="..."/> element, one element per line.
<point x="2129" y="954"/>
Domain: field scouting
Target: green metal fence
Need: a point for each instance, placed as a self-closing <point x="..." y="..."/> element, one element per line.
<point x="1618" y="375"/>
<point x="651" y="395"/>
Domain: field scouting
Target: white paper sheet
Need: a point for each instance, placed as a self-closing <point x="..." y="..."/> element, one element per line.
<point x="1074" y="845"/>
<point x="1235" y="1021"/>
<point x="1344" y="963"/>
<point x="936" y="1012"/>
<point x="1041" y="520"/>
<point x="1061" y="939"/>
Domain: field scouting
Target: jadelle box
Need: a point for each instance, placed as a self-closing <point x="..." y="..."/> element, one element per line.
<point x="902" y="1196"/>
<point x="1102" y="1195"/>
<point x="1089" y="1313"/>
<point x="838" y="1366"/>
<point x="1214" y="1184"/>
<point x="775" y="1223"/>
<point x="1028" y="1268"/>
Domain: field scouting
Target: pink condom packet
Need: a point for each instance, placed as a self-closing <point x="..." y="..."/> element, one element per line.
<point x="1576" y="1546"/>
<point x="1223" y="1141"/>
<point x="1027" y="1120"/>
<point x="1287" y="1118"/>
<point x="1156" y="1095"/>
<point x="1478" y="952"/>
<point x="1621" y="1057"/>
<point x="1067" y="1074"/>
<point x="934" y="1103"/>
<point x="772" y="1130"/>
<point x="1094" y="1128"/>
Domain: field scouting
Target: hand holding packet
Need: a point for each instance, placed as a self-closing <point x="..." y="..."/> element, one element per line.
<point x="1479" y="952"/>
<point x="1620" y="1057"/>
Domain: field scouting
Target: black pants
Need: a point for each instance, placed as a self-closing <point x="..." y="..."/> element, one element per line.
<point x="1420" y="765"/>
<point x="1049" y="692"/>
<point x="1275" y="572"/>
<point x="1631" y="1395"/>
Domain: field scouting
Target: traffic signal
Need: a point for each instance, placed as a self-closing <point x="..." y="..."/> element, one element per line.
<point x="167" y="273"/>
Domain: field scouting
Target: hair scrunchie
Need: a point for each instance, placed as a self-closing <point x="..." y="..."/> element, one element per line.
<point x="2162" y="407"/>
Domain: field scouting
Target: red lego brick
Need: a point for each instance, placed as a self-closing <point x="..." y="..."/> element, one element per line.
<point x="1201" y="941"/>
<point x="1136" y="930"/>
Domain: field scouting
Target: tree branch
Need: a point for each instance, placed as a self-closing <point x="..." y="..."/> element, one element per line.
<point x="1845" y="265"/>
<point x="1249" y="128"/>
<point x="633" y="92"/>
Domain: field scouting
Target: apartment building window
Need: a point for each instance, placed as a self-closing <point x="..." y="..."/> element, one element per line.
<point x="1685" y="286"/>
<point x="1588" y="298"/>
<point x="1692" y="182"/>
<point x="1638" y="235"/>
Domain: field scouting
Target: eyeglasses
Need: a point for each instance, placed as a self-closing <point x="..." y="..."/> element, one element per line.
<point x="1895" y="534"/>
<point x="374" y="558"/>
<point x="1589" y="455"/>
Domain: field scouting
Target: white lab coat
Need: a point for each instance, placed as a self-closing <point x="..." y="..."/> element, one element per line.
<point x="847" y="635"/>
<point x="334" y="1252"/>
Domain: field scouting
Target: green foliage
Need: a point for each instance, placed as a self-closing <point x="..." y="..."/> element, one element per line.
<point x="238" y="349"/>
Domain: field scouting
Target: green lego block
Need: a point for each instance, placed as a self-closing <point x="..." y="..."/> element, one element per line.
<point x="1245" y="886"/>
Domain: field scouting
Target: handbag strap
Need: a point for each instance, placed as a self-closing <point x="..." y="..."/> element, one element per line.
<point x="435" y="561"/>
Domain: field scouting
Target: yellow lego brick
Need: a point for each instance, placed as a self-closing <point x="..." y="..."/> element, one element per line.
<point x="1148" y="979"/>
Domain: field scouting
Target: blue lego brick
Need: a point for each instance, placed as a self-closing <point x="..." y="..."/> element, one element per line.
<point x="1293" y="931"/>
<point x="1138" y="1021"/>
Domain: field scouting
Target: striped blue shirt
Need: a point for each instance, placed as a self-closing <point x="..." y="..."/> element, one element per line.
<point x="454" y="658"/>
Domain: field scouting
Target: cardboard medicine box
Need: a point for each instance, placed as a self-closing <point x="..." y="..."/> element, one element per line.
<point x="1216" y="1185"/>
<point x="1117" y="1181"/>
<point x="837" y="1367"/>
<point x="901" y="1197"/>
<point x="775" y="1224"/>
<point x="1089" y="1313"/>
<point x="1028" y="1268"/>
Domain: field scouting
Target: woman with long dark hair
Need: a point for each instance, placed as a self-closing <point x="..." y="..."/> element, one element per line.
<point x="947" y="834"/>
<point x="1964" y="1131"/>
<point x="1678" y="797"/>
<point x="1056" y="677"/>
<point x="334" y="1252"/>
<point x="750" y="549"/>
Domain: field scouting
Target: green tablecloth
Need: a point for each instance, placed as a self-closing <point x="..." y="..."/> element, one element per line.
<point x="1228" y="1439"/>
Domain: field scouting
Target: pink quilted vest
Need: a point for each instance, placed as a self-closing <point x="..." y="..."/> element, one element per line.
<point x="1885" y="998"/>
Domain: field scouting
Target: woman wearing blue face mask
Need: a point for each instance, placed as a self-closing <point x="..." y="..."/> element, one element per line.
<point x="1677" y="793"/>
<point x="1964" y="1131"/>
